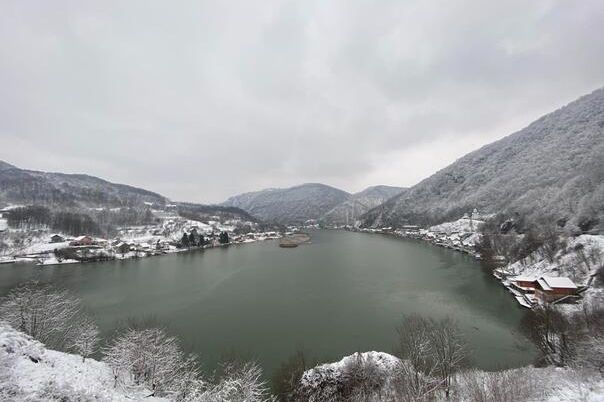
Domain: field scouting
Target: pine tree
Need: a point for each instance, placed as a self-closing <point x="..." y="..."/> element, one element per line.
<point x="185" y="239"/>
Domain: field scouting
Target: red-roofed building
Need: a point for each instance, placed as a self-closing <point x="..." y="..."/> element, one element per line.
<point x="550" y="289"/>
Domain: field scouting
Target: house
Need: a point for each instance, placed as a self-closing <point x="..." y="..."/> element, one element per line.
<point x="55" y="238"/>
<point x="525" y="284"/>
<point x="550" y="289"/>
<point x="83" y="241"/>
<point x="122" y="248"/>
<point x="410" y="228"/>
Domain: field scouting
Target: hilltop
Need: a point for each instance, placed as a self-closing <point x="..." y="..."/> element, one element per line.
<point x="555" y="166"/>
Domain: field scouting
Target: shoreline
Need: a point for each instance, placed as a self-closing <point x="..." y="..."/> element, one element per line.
<point x="502" y="271"/>
<point x="51" y="260"/>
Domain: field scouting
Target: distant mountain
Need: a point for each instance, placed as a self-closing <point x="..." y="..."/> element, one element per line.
<point x="59" y="190"/>
<point x="292" y="205"/>
<point x="350" y="210"/>
<point x="22" y="186"/>
<point x="554" y="166"/>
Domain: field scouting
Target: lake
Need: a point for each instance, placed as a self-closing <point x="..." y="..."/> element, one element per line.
<point x="343" y="293"/>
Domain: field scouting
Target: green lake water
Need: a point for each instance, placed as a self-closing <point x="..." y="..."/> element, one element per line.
<point x="343" y="293"/>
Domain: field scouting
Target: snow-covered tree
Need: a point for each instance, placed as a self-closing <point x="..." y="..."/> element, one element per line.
<point x="87" y="338"/>
<point x="48" y="315"/>
<point x="240" y="382"/>
<point x="151" y="358"/>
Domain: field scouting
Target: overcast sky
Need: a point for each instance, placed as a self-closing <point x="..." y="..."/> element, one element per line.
<point x="199" y="100"/>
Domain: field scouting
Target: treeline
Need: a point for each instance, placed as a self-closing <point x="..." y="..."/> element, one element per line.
<point x="201" y="213"/>
<point x="195" y="239"/>
<point x="73" y="223"/>
<point x="79" y="222"/>
<point x="108" y="219"/>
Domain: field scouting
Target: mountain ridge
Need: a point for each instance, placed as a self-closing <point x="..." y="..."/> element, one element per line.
<point x="278" y="204"/>
<point x="292" y="205"/>
<point x="554" y="166"/>
<point x="80" y="190"/>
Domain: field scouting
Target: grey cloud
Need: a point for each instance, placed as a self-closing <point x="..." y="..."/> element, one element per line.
<point x="199" y="100"/>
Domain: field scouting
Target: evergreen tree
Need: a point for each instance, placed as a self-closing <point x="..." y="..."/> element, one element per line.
<point x="224" y="238"/>
<point x="185" y="240"/>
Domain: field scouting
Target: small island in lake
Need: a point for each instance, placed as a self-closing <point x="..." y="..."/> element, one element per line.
<point x="294" y="240"/>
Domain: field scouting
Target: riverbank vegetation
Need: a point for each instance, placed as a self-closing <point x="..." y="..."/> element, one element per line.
<point x="430" y="361"/>
<point x="430" y="364"/>
<point x="139" y="360"/>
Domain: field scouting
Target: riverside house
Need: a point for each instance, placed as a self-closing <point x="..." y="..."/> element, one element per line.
<point x="550" y="289"/>
<point x="525" y="284"/>
<point x="83" y="241"/>
<point x="532" y="290"/>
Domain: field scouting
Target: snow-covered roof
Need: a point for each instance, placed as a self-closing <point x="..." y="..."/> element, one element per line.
<point x="543" y="284"/>
<point x="524" y="278"/>
<point x="558" y="282"/>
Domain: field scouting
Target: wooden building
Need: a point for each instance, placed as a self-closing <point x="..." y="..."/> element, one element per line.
<point x="550" y="289"/>
<point x="83" y="241"/>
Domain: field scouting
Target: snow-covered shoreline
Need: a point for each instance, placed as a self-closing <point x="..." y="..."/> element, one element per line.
<point x="40" y="246"/>
<point x="463" y="236"/>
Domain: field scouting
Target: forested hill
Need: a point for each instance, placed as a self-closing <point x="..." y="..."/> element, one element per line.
<point x="20" y="186"/>
<point x="78" y="191"/>
<point x="554" y="167"/>
<point x="292" y="205"/>
<point x="347" y="212"/>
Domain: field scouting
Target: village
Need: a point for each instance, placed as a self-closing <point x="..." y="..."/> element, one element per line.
<point x="172" y="234"/>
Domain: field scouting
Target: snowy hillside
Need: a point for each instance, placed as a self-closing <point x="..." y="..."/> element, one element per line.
<point x="553" y="166"/>
<point x="30" y="372"/>
<point x="312" y="201"/>
<point x="293" y="205"/>
<point x="347" y="212"/>
<point x="580" y="261"/>
<point x="32" y="187"/>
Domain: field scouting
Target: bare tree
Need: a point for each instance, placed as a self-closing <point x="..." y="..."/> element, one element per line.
<point x="433" y="351"/>
<point x="151" y="358"/>
<point x="362" y="379"/>
<point x="449" y="351"/>
<point x="240" y="382"/>
<point x="552" y="333"/>
<point x="86" y="338"/>
<point x="48" y="315"/>
<point x="415" y="347"/>
<point x="499" y="386"/>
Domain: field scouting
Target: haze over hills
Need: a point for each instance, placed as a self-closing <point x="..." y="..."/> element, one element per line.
<point x="347" y="212"/>
<point x="316" y="201"/>
<point x="555" y="166"/>
<point x="292" y="205"/>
